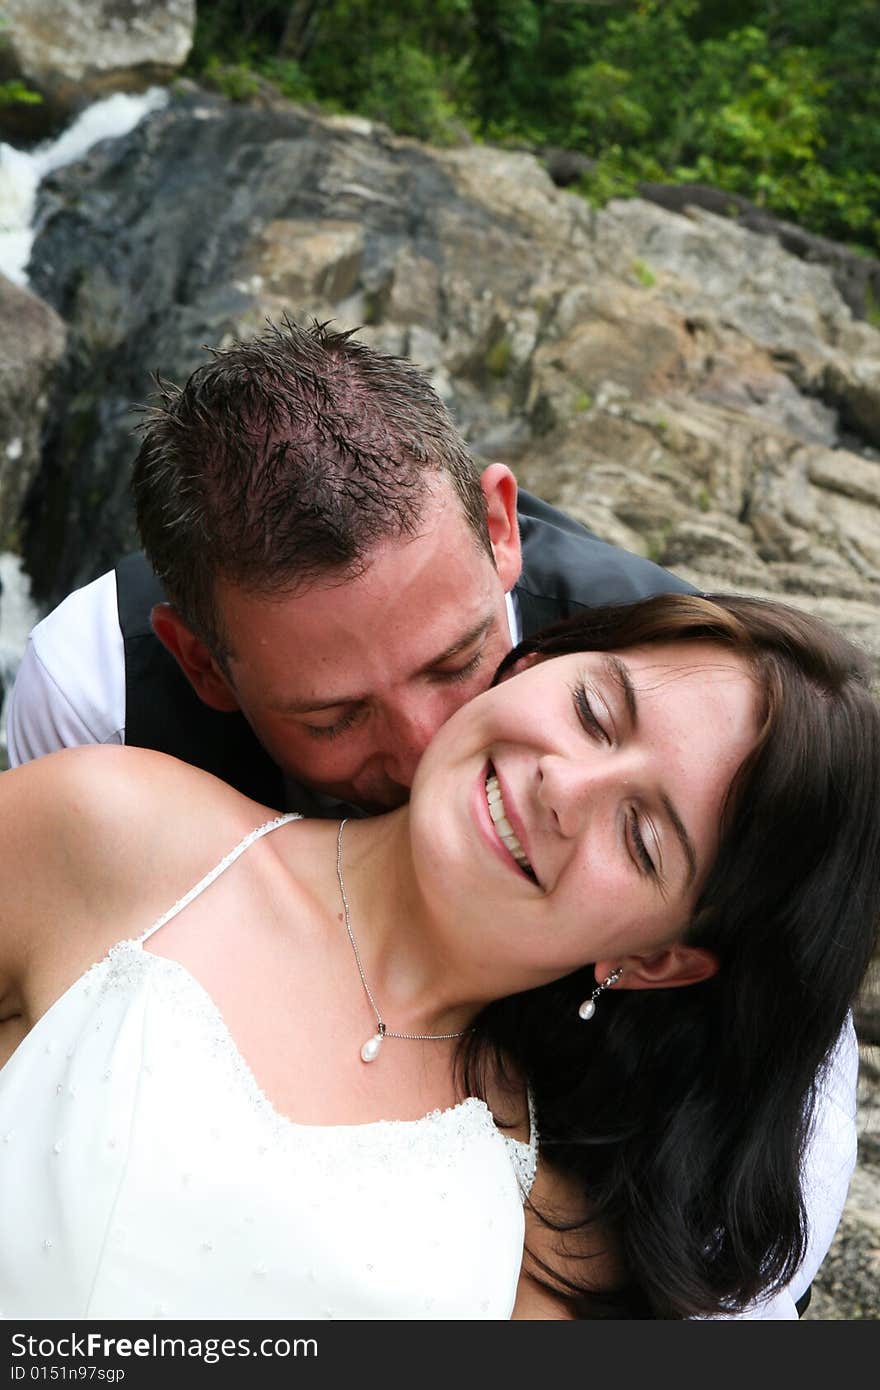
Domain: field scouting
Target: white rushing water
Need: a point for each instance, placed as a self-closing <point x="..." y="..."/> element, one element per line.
<point x="20" y="175"/>
<point x="21" y="171"/>
<point x="17" y="616"/>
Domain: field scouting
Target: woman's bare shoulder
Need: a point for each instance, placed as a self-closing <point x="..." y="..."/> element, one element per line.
<point x="104" y="765"/>
<point x="115" y="786"/>
<point x="100" y="833"/>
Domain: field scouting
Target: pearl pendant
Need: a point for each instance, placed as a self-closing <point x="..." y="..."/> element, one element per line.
<point x="370" y="1049"/>
<point x="587" y="1009"/>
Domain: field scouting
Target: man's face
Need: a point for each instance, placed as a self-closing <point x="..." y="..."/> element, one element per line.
<point x="345" y="683"/>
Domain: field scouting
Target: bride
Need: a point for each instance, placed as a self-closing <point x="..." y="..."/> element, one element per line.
<point x="575" y="994"/>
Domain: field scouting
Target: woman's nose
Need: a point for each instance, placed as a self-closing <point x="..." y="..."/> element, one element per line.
<point x="573" y="789"/>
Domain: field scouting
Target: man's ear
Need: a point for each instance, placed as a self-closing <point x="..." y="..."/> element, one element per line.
<point x="499" y="490"/>
<point x="193" y="658"/>
<point x="668" y="969"/>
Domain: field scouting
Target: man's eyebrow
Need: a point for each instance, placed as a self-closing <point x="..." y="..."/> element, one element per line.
<point x="618" y="672"/>
<point x="315" y="706"/>
<point x="461" y="644"/>
<point x="479" y="630"/>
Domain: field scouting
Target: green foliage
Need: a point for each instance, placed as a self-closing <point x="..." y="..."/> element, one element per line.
<point x="601" y="105"/>
<point x="17" y="93"/>
<point x="655" y="546"/>
<point x="287" y="75"/>
<point x="873" y="308"/>
<point x="770" y="115"/>
<point x="237" y="81"/>
<point x="617" y="173"/>
<point x="643" y="273"/>
<point x="778" y="100"/>
<point x="497" y="358"/>
<point x="14" y="92"/>
<point x="405" y="90"/>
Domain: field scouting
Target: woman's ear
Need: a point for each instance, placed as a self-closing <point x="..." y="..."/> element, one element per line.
<point x="523" y="664"/>
<point x="668" y="969"/>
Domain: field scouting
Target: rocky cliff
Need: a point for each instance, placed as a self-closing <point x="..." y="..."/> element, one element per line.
<point x="680" y="383"/>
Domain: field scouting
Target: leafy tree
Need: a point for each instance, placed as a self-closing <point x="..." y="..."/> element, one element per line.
<point x="775" y="99"/>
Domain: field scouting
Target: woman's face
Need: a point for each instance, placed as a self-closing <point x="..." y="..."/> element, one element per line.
<point x="572" y="813"/>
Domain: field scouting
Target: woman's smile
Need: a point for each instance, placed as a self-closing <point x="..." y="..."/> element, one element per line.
<point x="503" y="817"/>
<point x="495" y="819"/>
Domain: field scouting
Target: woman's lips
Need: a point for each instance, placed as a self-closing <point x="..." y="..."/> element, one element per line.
<point x="497" y="825"/>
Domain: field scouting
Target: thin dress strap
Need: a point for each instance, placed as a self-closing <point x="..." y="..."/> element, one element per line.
<point x="218" y="869"/>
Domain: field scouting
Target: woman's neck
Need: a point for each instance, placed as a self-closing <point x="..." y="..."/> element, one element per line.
<point x="413" y="977"/>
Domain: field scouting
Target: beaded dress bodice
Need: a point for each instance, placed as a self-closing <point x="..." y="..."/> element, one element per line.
<point x="143" y="1174"/>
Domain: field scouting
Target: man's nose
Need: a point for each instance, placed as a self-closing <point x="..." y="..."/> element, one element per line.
<point x="410" y="727"/>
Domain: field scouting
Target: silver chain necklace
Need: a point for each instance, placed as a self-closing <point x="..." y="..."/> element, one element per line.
<point x="370" y="1049"/>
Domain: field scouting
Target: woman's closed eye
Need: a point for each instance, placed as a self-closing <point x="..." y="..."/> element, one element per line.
<point x="586" y="714"/>
<point x="639" y="848"/>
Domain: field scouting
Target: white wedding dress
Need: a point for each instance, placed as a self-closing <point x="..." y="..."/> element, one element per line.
<point x="144" y="1175"/>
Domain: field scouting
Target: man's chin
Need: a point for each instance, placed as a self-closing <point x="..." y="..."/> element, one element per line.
<point x="373" y="807"/>
<point x="372" y="801"/>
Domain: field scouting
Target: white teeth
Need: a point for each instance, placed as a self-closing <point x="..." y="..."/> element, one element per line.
<point x="502" y="824"/>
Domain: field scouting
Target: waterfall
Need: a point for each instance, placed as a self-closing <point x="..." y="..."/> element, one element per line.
<point x="21" y="171"/>
<point x="20" y="175"/>
<point x="17" y="616"/>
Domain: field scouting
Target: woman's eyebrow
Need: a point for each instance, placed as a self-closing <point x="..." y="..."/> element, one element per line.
<point x="684" y="839"/>
<point x="618" y="673"/>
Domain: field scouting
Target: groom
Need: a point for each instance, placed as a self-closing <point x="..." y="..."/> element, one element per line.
<point x="337" y="577"/>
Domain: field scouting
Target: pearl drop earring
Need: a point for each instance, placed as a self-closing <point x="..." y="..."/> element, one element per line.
<point x="588" y="1008"/>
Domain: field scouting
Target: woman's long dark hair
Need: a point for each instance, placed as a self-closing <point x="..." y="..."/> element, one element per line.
<point x="683" y="1114"/>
